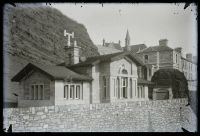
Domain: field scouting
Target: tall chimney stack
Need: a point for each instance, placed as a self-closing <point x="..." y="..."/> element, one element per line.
<point x="71" y="52"/>
<point x="103" y="42"/>
<point x="163" y="42"/>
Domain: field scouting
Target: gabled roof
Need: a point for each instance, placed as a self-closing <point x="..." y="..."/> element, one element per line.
<point x="157" y="48"/>
<point x="109" y="57"/>
<point x="55" y="72"/>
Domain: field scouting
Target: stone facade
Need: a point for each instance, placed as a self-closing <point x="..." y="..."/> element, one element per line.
<point x="24" y="96"/>
<point x="138" y="116"/>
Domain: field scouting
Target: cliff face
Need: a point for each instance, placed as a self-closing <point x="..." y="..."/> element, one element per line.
<point x="36" y="35"/>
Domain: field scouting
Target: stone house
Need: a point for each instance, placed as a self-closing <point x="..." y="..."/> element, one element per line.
<point x="159" y="57"/>
<point x="106" y="78"/>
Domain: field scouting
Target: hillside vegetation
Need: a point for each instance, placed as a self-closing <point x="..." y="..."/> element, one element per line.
<point x="36" y="35"/>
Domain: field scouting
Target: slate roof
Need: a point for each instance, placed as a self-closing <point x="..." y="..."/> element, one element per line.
<point x="109" y="57"/>
<point x="137" y="47"/>
<point x="188" y="60"/>
<point x="55" y="72"/>
<point x="157" y="48"/>
<point x="114" y="45"/>
<point x="143" y="81"/>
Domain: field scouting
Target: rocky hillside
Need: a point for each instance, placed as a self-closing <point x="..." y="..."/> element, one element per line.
<point x="36" y="35"/>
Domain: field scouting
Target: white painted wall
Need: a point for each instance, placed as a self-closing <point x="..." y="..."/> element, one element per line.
<point x="59" y="93"/>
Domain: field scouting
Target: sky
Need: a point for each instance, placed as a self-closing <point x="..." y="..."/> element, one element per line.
<point x="146" y="23"/>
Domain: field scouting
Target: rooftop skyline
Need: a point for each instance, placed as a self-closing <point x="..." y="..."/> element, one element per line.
<point x="146" y="23"/>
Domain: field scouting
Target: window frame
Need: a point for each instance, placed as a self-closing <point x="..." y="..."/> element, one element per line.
<point x="124" y="87"/>
<point x="79" y="97"/>
<point x="104" y="87"/>
<point x="34" y="92"/>
<point x="146" y="58"/>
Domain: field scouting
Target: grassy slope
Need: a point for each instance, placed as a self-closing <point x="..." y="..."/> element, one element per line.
<point x="36" y="35"/>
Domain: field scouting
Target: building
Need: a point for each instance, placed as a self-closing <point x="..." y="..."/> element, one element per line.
<point x="189" y="68"/>
<point x="109" y="78"/>
<point x="112" y="45"/>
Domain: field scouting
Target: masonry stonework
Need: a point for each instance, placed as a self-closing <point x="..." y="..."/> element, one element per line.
<point x="160" y="115"/>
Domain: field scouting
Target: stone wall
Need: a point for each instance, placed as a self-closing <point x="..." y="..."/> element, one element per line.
<point x="162" y="115"/>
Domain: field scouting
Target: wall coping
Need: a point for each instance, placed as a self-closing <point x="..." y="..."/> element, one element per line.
<point x="90" y="106"/>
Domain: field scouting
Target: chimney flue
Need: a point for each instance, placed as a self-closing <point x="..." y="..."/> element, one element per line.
<point x="163" y="42"/>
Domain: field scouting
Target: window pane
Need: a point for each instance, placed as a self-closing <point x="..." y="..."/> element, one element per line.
<point x="104" y="87"/>
<point x="78" y="92"/>
<point x="66" y="91"/>
<point x="72" y="91"/>
<point x="36" y="92"/>
<point x="32" y="92"/>
<point x="41" y="92"/>
<point x="130" y="88"/>
<point x="118" y="85"/>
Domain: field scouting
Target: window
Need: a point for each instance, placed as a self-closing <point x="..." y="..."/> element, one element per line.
<point x="124" y="87"/>
<point x="66" y="88"/>
<point x="32" y="92"/>
<point x="41" y="88"/>
<point x="37" y="92"/>
<point x="77" y="92"/>
<point x="124" y="71"/>
<point x="118" y="87"/>
<point x="176" y="58"/>
<point x="73" y="91"/>
<point x="141" y="92"/>
<point x="104" y="87"/>
<point x="146" y="58"/>
<point x="71" y="95"/>
<point x="130" y="88"/>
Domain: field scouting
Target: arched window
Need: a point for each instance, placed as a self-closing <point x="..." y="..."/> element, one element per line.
<point x="124" y="71"/>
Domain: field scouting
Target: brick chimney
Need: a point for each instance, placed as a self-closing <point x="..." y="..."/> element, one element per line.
<point x="103" y="42"/>
<point x="163" y="42"/>
<point x="189" y="56"/>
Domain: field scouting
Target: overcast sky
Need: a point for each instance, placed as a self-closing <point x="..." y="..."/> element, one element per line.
<point x="147" y="23"/>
